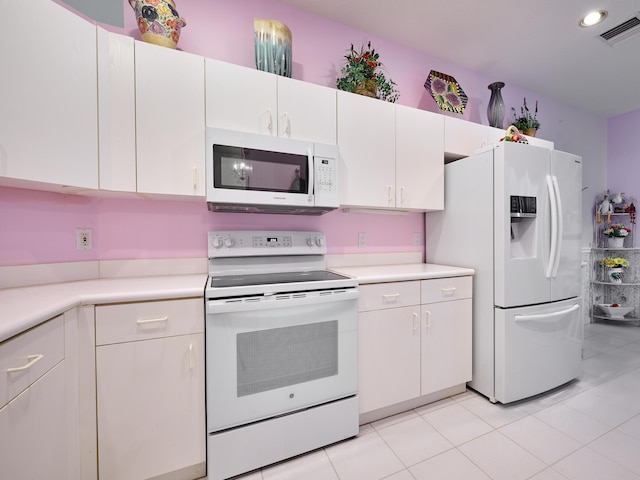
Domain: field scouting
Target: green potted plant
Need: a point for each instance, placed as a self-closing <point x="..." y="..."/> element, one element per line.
<point x="526" y="123"/>
<point x="361" y="75"/>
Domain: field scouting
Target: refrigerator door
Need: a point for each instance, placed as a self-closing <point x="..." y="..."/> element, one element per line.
<point x="537" y="348"/>
<point x="522" y="243"/>
<point x="566" y="175"/>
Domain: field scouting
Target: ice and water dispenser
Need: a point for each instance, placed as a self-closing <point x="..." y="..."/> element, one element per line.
<point x="523" y="223"/>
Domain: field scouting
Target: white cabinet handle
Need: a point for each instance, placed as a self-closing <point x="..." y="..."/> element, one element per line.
<point x="402" y="197"/>
<point x="270" y="121"/>
<point x="195" y="179"/>
<point x="427" y="320"/>
<point x="287" y="129"/>
<point x="415" y="323"/>
<point x="390" y="298"/>
<point x="390" y="195"/>
<point x="448" y="292"/>
<point x="192" y="363"/>
<point x="33" y="359"/>
<point x="152" y="320"/>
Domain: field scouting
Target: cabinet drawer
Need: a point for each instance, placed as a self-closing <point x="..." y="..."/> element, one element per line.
<point x="26" y="357"/>
<point x="129" y="322"/>
<point x="445" y="289"/>
<point x="378" y="296"/>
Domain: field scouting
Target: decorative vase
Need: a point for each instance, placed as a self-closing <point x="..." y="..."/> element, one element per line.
<point x="369" y="88"/>
<point x="531" y="132"/>
<point x="495" y="109"/>
<point x="272" y="43"/>
<point x="158" y="21"/>
<point x="615" y="274"/>
<point x="615" y="242"/>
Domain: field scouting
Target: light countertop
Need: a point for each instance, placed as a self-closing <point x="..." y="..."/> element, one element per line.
<point x="23" y="308"/>
<point x="398" y="273"/>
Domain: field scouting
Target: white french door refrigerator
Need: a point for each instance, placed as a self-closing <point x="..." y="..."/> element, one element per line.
<point x="512" y="212"/>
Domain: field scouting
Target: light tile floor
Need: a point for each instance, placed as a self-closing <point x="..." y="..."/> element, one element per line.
<point x="588" y="429"/>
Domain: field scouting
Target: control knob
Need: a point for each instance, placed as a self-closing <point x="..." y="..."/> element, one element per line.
<point x="229" y="242"/>
<point x="216" y="242"/>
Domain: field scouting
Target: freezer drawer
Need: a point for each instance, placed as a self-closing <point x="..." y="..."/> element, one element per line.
<point x="536" y="348"/>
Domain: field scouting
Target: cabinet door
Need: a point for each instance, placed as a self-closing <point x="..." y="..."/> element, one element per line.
<point x="446" y="345"/>
<point x="117" y="112"/>
<point x="419" y="159"/>
<point x="151" y="417"/>
<point x="33" y="443"/>
<point x="366" y="135"/>
<point x="48" y="106"/>
<point x="389" y="356"/>
<point x="169" y="120"/>
<point x="240" y="98"/>
<point x="463" y="138"/>
<point x="306" y="111"/>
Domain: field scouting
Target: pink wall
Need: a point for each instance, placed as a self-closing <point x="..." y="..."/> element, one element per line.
<point x="623" y="156"/>
<point x="39" y="227"/>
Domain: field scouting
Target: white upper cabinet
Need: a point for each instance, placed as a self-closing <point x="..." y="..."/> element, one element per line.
<point x="151" y="117"/>
<point x="419" y="159"/>
<point x="170" y="122"/>
<point x="463" y="138"/>
<point x="249" y="100"/>
<point x="239" y="98"/>
<point x="306" y="111"/>
<point x="392" y="155"/>
<point x="366" y="136"/>
<point x="48" y="106"/>
<point x="117" y="111"/>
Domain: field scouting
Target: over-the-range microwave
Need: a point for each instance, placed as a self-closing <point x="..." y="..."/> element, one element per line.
<point x="248" y="172"/>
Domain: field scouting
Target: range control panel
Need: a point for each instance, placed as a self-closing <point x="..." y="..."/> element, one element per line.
<point x="263" y="243"/>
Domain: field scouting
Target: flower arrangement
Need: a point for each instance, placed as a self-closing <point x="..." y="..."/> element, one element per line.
<point x="361" y="70"/>
<point x="616" y="230"/>
<point x="614" y="262"/>
<point x="525" y="121"/>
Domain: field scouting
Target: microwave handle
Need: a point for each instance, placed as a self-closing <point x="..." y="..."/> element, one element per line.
<point x="311" y="172"/>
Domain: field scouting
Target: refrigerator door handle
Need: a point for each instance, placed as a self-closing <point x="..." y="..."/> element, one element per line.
<point x="545" y="316"/>
<point x="554" y="226"/>
<point x="560" y="220"/>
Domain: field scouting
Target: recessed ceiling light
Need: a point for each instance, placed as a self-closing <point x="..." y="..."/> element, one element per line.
<point x="593" y="18"/>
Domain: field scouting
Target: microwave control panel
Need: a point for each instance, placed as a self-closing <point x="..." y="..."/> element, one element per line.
<point x="325" y="175"/>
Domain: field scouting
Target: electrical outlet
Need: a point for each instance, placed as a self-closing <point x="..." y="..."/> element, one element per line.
<point x="362" y="239"/>
<point x="83" y="239"/>
<point x="416" y="238"/>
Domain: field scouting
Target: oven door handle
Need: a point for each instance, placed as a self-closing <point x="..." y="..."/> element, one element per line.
<point x="279" y="301"/>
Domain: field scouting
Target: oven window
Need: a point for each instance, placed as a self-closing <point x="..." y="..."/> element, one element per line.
<point x="280" y="357"/>
<point x="251" y="169"/>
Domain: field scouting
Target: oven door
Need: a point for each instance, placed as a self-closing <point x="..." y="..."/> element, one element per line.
<point x="279" y="353"/>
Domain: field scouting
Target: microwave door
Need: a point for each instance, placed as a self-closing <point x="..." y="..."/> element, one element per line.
<point x="249" y="175"/>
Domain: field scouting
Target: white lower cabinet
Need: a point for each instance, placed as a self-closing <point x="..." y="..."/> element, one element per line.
<point x="446" y="345"/>
<point x="415" y="340"/>
<point x="150" y="390"/>
<point x="34" y="420"/>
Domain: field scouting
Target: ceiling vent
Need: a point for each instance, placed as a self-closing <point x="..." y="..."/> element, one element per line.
<point x="623" y="31"/>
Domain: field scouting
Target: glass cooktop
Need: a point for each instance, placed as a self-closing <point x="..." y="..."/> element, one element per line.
<point x="272" y="278"/>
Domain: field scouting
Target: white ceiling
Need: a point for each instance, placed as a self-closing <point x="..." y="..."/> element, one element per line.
<point x="536" y="45"/>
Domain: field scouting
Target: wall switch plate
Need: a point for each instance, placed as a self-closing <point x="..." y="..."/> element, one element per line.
<point x="83" y="239"/>
<point x="416" y="238"/>
<point x="362" y="240"/>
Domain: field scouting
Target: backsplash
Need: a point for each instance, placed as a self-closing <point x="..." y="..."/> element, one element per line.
<point x="40" y="227"/>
